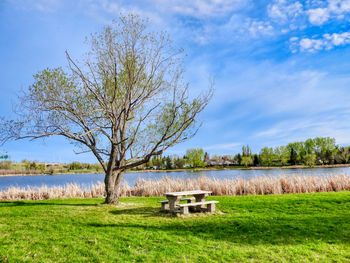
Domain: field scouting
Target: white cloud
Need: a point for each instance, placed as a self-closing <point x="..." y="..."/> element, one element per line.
<point x="45" y="6"/>
<point x="311" y="45"/>
<point x="219" y="21"/>
<point x="98" y="10"/>
<point x="339" y="6"/>
<point x="237" y="29"/>
<point x="318" y="16"/>
<point x="258" y="28"/>
<point x="337" y="39"/>
<point x="282" y="10"/>
<point x="199" y="8"/>
<point x="326" y="42"/>
<point x="334" y="9"/>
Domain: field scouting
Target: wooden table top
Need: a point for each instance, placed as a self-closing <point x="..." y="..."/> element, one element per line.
<point x="191" y="192"/>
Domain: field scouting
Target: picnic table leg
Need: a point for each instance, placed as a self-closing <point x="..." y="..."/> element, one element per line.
<point x="173" y="201"/>
<point x="200" y="198"/>
<point x="165" y="206"/>
<point x="211" y="208"/>
<point x="184" y="210"/>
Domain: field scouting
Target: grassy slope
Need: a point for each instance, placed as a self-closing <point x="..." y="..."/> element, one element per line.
<point x="280" y="228"/>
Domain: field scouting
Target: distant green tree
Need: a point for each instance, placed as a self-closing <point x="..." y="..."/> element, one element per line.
<point x="256" y="160"/>
<point x="246" y="151"/>
<point x="206" y="157"/>
<point x="282" y="154"/>
<point x="96" y="167"/>
<point x="325" y="148"/>
<point x="238" y="158"/>
<point x="309" y="159"/>
<point x="179" y="163"/>
<point x="298" y="151"/>
<point x="6" y="165"/>
<point x="150" y="163"/>
<point x="194" y="158"/>
<point x="329" y="156"/>
<point x="309" y="146"/>
<point x="158" y="162"/>
<point x="41" y="167"/>
<point x="75" y="166"/>
<point x="293" y="157"/>
<point x="86" y="166"/>
<point x="267" y="156"/>
<point x="247" y="161"/>
<point x="33" y="166"/>
<point x="168" y="163"/>
<point x="343" y="155"/>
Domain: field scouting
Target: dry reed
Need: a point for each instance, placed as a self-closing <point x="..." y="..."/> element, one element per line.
<point x="20" y="172"/>
<point x="254" y="186"/>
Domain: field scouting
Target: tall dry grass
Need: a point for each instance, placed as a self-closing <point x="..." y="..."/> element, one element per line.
<point x="253" y="186"/>
<point x="19" y="172"/>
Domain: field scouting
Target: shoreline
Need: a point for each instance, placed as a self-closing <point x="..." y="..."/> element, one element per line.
<point x="245" y="168"/>
<point x="25" y="174"/>
<point x="194" y="169"/>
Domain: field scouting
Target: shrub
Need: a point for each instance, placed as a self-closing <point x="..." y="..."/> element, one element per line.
<point x="6" y="165"/>
<point x="75" y="166"/>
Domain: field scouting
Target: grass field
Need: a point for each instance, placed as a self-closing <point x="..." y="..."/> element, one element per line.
<point x="273" y="228"/>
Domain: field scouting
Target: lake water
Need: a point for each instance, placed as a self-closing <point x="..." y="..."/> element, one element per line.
<point x="85" y="180"/>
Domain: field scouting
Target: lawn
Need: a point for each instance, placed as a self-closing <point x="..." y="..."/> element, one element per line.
<point x="275" y="228"/>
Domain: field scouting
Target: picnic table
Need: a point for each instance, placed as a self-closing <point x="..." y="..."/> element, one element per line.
<point x="197" y="202"/>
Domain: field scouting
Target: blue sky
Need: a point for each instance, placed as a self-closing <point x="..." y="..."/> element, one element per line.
<point x="282" y="68"/>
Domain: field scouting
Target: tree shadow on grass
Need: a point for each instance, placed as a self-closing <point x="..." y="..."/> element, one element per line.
<point x="246" y="229"/>
<point x="26" y="203"/>
<point x="143" y="211"/>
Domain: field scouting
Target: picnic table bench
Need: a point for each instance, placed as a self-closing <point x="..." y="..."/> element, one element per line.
<point x="174" y="198"/>
<point x="165" y="203"/>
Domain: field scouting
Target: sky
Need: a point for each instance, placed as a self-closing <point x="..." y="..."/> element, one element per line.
<point x="281" y="68"/>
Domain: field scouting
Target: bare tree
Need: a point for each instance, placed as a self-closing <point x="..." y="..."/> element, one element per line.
<point x="125" y="101"/>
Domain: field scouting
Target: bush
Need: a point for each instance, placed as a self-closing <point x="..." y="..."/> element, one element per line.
<point x="310" y="159"/>
<point x="86" y="166"/>
<point x="247" y="161"/>
<point x="41" y="167"/>
<point x="75" y="166"/>
<point x="5" y="165"/>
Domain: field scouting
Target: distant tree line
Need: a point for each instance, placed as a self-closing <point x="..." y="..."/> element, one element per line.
<point x="47" y="167"/>
<point x="84" y="166"/>
<point x="316" y="151"/>
<point x="194" y="158"/>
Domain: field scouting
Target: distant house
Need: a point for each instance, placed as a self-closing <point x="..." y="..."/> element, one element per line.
<point x="221" y="162"/>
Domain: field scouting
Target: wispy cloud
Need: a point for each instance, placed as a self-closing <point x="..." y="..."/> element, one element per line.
<point x="223" y="147"/>
<point x="199" y="8"/>
<point x="326" y="42"/>
<point x="46" y="6"/>
<point x="321" y="125"/>
<point x="335" y="9"/>
<point x="283" y="11"/>
<point x="273" y="104"/>
<point x="318" y="16"/>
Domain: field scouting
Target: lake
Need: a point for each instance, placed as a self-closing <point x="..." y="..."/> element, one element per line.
<point x="86" y="180"/>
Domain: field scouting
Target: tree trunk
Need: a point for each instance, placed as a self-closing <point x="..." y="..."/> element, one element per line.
<point x="113" y="182"/>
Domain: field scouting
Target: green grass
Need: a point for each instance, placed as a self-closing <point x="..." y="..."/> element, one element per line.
<point x="279" y="228"/>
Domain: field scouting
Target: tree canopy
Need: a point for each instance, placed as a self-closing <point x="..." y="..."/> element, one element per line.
<point x="125" y="101"/>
